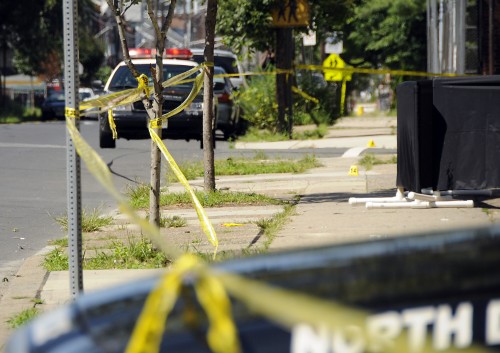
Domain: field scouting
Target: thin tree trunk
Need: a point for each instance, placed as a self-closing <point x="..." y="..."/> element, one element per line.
<point x="208" y="96"/>
<point x="157" y="74"/>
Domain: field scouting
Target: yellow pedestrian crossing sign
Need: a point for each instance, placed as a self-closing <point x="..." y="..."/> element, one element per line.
<point x="332" y="62"/>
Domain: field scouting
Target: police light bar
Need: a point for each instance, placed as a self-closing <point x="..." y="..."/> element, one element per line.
<point x="141" y="52"/>
<point x="178" y="53"/>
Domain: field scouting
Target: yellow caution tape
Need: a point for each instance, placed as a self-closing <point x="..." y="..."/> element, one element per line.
<point x="376" y="71"/>
<point x="198" y="83"/>
<point x="232" y="224"/>
<point x="222" y="335"/>
<point x="112" y="124"/>
<point x="206" y="225"/>
<point x="99" y="169"/>
<point x="156" y="124"/>
<point x="305" y="95"/>
<point x="71" y="113"/>
<point x="143" y="84"/>
<point x="342" y="95"/>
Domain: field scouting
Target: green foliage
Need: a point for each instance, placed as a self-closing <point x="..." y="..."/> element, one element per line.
<point x="134" y="253"/>
<point x="391" y="33"/>
<point x="173" y="222"/>
<point x="91" y="220"/>
<point x="56" y="260"/>
<point x="249" y="23"/>
<point x="327" y="110"/>
<point x="34" y="31"/>
<point x="22" y="318"/>
<point x="245" y="23"/>
<point x="258" y="101"/>
<point x="369" y="160"/>
<point x="211" y="199"/>
<point x="103" y="73"/>
<point x="271" y="226"/>
<point x="247" y="166"/>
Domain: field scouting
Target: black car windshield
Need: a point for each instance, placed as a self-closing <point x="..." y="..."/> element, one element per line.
<point x="124" y="79"/>
<point x="56" y="97"/>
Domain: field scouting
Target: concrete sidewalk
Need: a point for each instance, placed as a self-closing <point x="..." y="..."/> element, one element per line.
<point x="323" y="216"/>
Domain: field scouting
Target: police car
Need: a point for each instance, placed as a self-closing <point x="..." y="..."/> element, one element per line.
<point x="132" y="120"/>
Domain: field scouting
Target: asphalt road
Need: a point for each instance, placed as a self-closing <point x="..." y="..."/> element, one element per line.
<point x="33" y="179"/>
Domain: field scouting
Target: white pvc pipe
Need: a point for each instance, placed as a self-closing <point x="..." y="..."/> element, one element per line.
<point x="451" y="204"/>
<point x="354" y="201"/>
<point x="411" y="204"/>
<point x="429" y="191"/>
<point x="468" y="192"/>
<point x="422" y="204"/>
<point x="430" y="198"/>
<point x="414" y="196"/>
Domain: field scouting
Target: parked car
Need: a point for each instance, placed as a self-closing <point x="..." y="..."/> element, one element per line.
<point x="85" y="94"/>
<point x="225" y="59"/>
<point x="53" y="106"/>
<point x="131" y="120"/>
<point x="228" y="113"/>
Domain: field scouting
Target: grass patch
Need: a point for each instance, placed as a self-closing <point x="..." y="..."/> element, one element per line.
<point x="134" y="254"/>
<point x="56" y="260"/>
<point x="269" y="227"/>
<point x="211" y="199"/>
<point x="260" y="164"/>
<point x="22" y="318"/>
<point x="257" y="135"/>
<point x="59" y="242"/>
<point x="173" y="222"/>
<point x="91" y="220"/>
<point x="369" y="160"/>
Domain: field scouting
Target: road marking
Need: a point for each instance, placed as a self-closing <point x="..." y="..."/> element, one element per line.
<point x="27" y="145"/>
<point x="353" y="152"/>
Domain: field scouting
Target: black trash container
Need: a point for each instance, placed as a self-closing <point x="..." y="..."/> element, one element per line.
<point x="470" y="110"/>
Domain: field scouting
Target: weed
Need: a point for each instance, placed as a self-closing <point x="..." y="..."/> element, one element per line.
<point x="259" y="164"/>
<point x="369" y="160"/>
<point x="22" y="318"/>
<point x="133" y="254"/>
<point x="61" y="242"/>
<point x="271" y="226"/>
<point x="56" y="260"/>
<point x="91" y="221"/>
<point x="172" y="222"/>
<point x="211" y="199"/>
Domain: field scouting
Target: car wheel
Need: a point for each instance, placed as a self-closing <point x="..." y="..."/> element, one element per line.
<point x="213" y="139"/>
<point x="45" y="116"/>
<point x="228" y="132"/>
<point x="105" y="136"/>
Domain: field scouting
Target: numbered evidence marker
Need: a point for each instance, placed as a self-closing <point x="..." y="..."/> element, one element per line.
<point x="353" y="171"/>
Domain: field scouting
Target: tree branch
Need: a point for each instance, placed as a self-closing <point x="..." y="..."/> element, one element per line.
<point x="168" y="19"/>
<point x="120" y="21"/>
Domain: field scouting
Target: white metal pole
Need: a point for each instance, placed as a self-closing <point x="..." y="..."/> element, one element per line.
<point x="71" y="83"/>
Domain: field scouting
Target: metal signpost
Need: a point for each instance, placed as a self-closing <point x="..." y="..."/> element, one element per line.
<point x="71" y="83"/>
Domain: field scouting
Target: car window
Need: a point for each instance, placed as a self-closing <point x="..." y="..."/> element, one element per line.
<point x="123" y="78"/>
<point x="53" y="97"/>
<point x="84" y="95"/>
